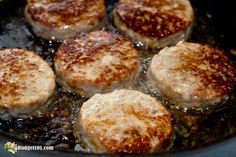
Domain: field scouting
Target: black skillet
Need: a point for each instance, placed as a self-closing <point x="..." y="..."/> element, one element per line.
<point x="215" y="25"/>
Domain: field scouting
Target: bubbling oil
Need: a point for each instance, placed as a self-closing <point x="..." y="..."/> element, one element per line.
<point x="53" y="123"/>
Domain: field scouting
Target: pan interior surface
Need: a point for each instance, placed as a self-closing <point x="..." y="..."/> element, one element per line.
<point x="53" y="123"/>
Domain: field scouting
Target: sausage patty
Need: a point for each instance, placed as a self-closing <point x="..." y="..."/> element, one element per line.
<point x="193" y="74"/>
<point x="156" y="23"/>
<point x="96" y="62"/>
<point x="124" y="121"/>
<point x="26" y="81"/>
<point x="61" y="19"/>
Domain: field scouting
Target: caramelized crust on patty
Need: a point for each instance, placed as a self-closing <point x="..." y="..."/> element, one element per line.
<point x="124" y="121"/>
<point x="151" y="21"/>
<point x="26" y="81"/>
<point x="193" y="74"/>
<point x="96" y="62"/>
<point x="64" y="18"/>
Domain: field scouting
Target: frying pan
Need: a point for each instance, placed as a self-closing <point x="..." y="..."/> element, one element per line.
<point x="215" y="25"/>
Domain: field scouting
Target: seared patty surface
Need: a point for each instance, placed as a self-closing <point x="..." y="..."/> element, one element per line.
<point x="124" y="121"/>
<point x="26" y="81"/>
<point x="61" y="19"/>
<point x="96" y="62"/>
<point x="157" y="23"/>
<point x="193" y="74"/>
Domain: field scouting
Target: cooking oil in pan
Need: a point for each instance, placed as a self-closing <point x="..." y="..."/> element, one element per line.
<point x="53" y="123"/>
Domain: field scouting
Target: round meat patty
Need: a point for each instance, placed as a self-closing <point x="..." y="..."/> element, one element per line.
<point x="124" y="121"/>
<point x="96" y="62"/>
<point x="26" y="81"/>
<point x="58" y="20"/>
<point x="193" y="74"/>
<point x="156" y="23"/>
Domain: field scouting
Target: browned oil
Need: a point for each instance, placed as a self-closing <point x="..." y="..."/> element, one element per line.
<point x="53" y="123"/>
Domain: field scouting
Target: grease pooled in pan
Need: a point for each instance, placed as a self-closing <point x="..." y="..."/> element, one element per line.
<point x="53" y="123"/>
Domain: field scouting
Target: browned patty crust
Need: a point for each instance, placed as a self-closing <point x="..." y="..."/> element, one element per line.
<point x="124" y="121"/>
<point x="193" y="74"/>
<point x="58" y="13"/>
<point x="157" y="19"/>
<point x="96" y="62"/>
<point x="62" y="19"/>
<point x="26" y="81"/>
